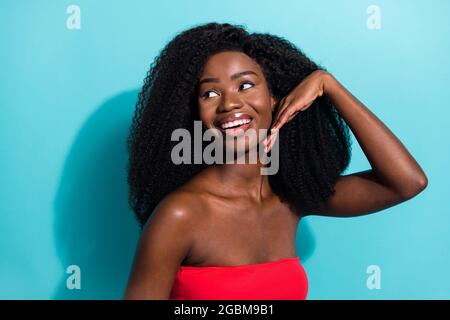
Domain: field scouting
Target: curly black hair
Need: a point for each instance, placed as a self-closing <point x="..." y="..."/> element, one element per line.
<point x="315" y="147"/>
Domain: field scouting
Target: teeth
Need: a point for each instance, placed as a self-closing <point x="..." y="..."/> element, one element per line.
<point x="234" y="123"/>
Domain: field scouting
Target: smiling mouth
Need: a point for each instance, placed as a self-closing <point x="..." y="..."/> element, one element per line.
<point x="235" y="127"/>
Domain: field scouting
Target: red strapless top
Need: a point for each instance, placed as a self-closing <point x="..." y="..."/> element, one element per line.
<point x="283" y="279"/>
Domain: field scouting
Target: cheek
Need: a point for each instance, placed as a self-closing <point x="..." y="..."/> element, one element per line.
<point x="260" y="99"/>
<point x="264" y="110"/>
<point x="206" y="116"/>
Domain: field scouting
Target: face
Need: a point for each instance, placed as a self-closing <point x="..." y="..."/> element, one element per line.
<point x="234" y="97"/>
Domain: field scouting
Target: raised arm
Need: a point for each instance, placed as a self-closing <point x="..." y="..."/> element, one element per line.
<point x="395" y="175"/>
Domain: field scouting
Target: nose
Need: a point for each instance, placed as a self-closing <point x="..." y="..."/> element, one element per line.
<point x="229" y="102"/>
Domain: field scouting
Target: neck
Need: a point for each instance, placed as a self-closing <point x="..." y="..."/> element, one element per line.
<point x="244" y="180"/>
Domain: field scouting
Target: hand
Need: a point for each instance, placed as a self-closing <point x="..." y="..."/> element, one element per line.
<point x="299" y="99"/>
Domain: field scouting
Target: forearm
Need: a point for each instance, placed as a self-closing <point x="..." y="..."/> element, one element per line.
<point x="390" y="160"/>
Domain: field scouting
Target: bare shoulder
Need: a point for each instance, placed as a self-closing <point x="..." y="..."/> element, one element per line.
<point x="183" y="208"/>
<point x="179" y="207"/>
<point x="166" y="240"/>
<point x="174" y="220"/>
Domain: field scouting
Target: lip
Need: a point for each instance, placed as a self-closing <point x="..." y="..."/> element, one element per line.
<point x="236" y="131"/>
<point x="233" y="117"/>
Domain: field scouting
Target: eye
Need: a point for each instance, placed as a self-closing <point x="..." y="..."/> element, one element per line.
<point x="205" y="95"/>
<point x="247" y="83"/>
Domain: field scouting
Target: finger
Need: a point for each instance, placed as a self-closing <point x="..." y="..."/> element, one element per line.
<point x="291" y="117"/>
<point x="281" y="107"/>
<point x="282" y="119"/>
<point x="280" y="114"/>
<point x="266" y="140"/>
<point x="293" y="114"/>
<point x="304" y="108"/>
<point x="307" y="106"/>
<point x="266" y="148"/>
<point x="287" y="114"/>
<point x="273" y="132"/>
<point x="267" y="145"/>
<point x="273" y="140"/>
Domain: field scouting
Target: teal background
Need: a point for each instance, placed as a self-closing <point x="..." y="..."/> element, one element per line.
<point x="66" y="100"/>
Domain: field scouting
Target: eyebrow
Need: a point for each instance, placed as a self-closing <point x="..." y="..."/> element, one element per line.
<point x="233" y="77"/>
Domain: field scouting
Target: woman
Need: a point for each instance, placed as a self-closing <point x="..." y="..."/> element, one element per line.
<point x="225" y="231"/>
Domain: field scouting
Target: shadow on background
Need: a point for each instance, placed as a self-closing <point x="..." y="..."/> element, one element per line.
<point x="94" y="227"/>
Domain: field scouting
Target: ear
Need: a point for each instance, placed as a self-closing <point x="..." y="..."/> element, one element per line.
<point x="273" y="103"/>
